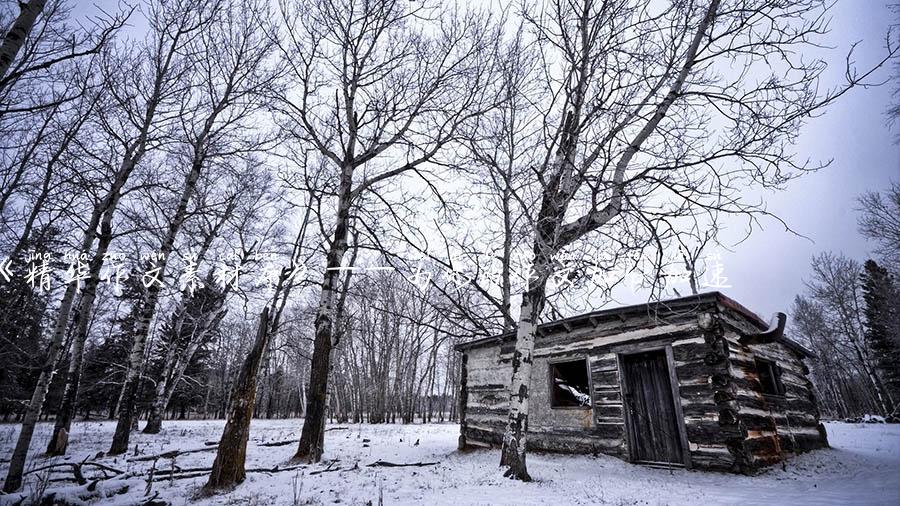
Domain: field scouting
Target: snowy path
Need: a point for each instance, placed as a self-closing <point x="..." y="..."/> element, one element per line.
<point x="863" y="467"/>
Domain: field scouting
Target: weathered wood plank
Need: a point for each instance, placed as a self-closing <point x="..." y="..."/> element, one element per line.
<point x="609" y="430"/>
<point x="696" y="392"/>
<point x="474" y="411"/>
<point x="604" y="364"/>
<point x="606" y="379"/>
<point x="700" y="409"/>
<point x="607" y="411"/>
<point x="690" y="352"/>
<point x="696" y="370"/>
<point x="709" y="432"/>
<point x="713" y="459"/>
<point x="607" y="397"/>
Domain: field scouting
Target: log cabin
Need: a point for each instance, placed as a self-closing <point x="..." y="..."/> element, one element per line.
<point x="698" y="382"/>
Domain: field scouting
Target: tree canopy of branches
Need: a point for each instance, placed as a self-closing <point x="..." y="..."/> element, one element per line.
<point x="245" y="208"/>
<point x="380" y="88"/>
<point x="657" y="113"/>
<point x="879" y="221"/>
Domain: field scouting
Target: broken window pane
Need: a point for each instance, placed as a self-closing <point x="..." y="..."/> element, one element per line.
<point x="570" y="387"/>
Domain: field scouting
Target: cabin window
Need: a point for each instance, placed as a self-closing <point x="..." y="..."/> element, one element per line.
<point x="770" y="377"/>
<point x="569" y="384"/>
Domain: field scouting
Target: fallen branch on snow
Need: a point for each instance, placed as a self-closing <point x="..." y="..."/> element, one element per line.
<point x="84" y="493"/>
<point x="172" y="454"/>
<point x="290" y="441"/>
<point x="197" y="472"/>
<point x="77" y="470"/>
<point x="279" y="443"/>
<point x="384" y="463"/>
<point x="329" y="469"/>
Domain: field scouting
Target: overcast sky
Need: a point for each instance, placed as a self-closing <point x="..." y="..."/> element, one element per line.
<point x="769" y="269"/>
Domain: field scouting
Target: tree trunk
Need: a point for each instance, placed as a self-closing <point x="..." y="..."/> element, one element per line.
<point x="514" y="440"/>
<point x="33" y="412"/>
<point x="160" y="401"/>
<point x="312" y="437"/>
<point x="174" y="370"/>
<point x="15" y="37"/>
<point x="881" y="397"/>
<point x="60" y="439"/>
<point x="126" y="414"/>
<point x="150" y="300"/>
<point x="552" y="234"/>
<point x="174" y="366"/>
<point x="228" y="466"/>
<point x="311" y="443"/>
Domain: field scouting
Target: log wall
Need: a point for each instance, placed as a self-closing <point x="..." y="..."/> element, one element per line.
<point x="729" y="425"/>
<point x="776" y="426"/>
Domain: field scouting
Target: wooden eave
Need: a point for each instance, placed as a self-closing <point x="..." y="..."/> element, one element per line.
<point x="660" y="309"/>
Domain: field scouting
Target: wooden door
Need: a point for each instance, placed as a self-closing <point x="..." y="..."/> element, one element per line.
<point x="653" y="430"/>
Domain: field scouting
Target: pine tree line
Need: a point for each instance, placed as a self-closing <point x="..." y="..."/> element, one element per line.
<point x="850" y="316"/>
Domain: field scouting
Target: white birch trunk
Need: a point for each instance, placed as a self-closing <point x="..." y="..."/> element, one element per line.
<point x="16" y="36"/>
<point x="148" y="309"/>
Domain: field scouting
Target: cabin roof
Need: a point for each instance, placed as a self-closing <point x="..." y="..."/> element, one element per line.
<point x="660" y="309"/>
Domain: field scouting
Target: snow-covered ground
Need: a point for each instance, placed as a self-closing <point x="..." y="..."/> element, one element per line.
<point x="863" y="467"/>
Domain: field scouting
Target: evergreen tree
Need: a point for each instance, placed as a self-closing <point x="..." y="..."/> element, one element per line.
<point x="882" y="329"/>
<point x="103" y="372"/>
<point x="24" y="303"/>
<point x="182" y="351"/>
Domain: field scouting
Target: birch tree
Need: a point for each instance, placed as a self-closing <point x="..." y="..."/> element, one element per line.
<point x="45" y="94"/>
<point x="15" y="37"/>
<point x="835" y="299"/>
<point x="100" y="217"/>
<point x="141" y="85"/>
<point x="201" y="325"/>
<point x="498" y="157"/>
<point x="42" y="50"/>
<point x="380" y="88"/>
<point x="228" y="465"/>
<point x="668" y="109"/>
<point x="226" y="77"/>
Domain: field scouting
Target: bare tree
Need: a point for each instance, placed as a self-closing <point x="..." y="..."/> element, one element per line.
<point x="228" y="466"/>
<point x="42" y="47"/>
<point x="880" y="221"/>
<point x="15" y="37"/>
<point x="381" y="87"/>
<point x="501" y="152"/>
<point x="831" y="318"/>
<point x="178" y="358"/>
<point x="650" y="123"/>
<point x="174" y="28"/>
<point x="45" y="98"/>
<point x="100" y="217"/>
<point x="227" y="79"/>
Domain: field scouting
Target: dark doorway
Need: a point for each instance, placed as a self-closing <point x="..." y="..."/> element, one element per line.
<point x="653" y="430"/>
